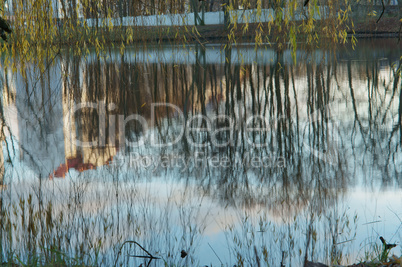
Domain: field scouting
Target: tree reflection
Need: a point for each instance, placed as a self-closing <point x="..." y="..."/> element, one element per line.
<point x="284" y="138"/>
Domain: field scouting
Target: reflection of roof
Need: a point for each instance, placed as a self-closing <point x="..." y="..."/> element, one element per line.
<point x="74" y="163"/>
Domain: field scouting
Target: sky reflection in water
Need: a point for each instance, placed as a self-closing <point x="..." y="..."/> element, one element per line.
<point x="327" y="168"/>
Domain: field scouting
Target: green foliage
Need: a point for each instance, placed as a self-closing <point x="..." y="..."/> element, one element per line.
<point x="36" y="34"/>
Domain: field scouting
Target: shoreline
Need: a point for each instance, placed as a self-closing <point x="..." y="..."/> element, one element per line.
<point x="386" y="28"/>
<point x="241" y="33"/>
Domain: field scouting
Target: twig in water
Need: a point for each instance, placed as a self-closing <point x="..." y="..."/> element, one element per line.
<point x="345" y="241"/>
<point x="215" y="254"/>
<point x="383" y="9"/>
<point x="150" y="256"/>
<point x="371" y="222"/>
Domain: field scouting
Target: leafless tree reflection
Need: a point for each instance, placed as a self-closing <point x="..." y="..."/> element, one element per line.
<point x="287" y="139"/>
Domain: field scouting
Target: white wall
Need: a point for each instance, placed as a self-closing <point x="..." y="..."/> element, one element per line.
<point x="211" y="18"/>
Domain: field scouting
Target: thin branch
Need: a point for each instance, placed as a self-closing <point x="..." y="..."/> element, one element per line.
<point x="215" y="254"/>
<point x="143" y="257"/>
<point x="350" y="240"/>
<point x="150" y="256"/>
<point x="383" y="9"/>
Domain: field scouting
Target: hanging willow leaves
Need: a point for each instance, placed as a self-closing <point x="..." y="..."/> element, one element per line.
<point x="41" y="29"/>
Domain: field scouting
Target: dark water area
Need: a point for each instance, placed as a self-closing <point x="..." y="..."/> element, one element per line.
<point x="234" y="155"/>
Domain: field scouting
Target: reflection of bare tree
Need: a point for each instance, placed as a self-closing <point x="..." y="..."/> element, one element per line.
<point x="357" y="120"/>
<point x="293" y="102"/>
<point x="377" y="125"/>
<point x="395" y="154"/>
<point x="240" y="91"/>
<point x="1" y="171"/>
<point x="1" y="163"/>
<point x="2" y="138"/>
<point x="292" y="180"/>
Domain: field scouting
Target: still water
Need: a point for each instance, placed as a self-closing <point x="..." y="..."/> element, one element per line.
<point x="235" y="155"/>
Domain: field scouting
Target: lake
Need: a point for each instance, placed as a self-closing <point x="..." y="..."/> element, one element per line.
<point x="235" y="155"/>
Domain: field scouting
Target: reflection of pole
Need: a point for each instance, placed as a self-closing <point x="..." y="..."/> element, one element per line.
<point x="228" y="76"/>
<point x="120" y="5"/>
<point x="200" y="55"/>
<point x="203" y="5"/>
<point x="226" y="14"/>
<point x="278" y="67"/>
<point x="194" y="7"/>
<point x="202" y="82"/>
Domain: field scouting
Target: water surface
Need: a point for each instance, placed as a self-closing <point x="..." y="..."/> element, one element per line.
<point x="235" y="155"/>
